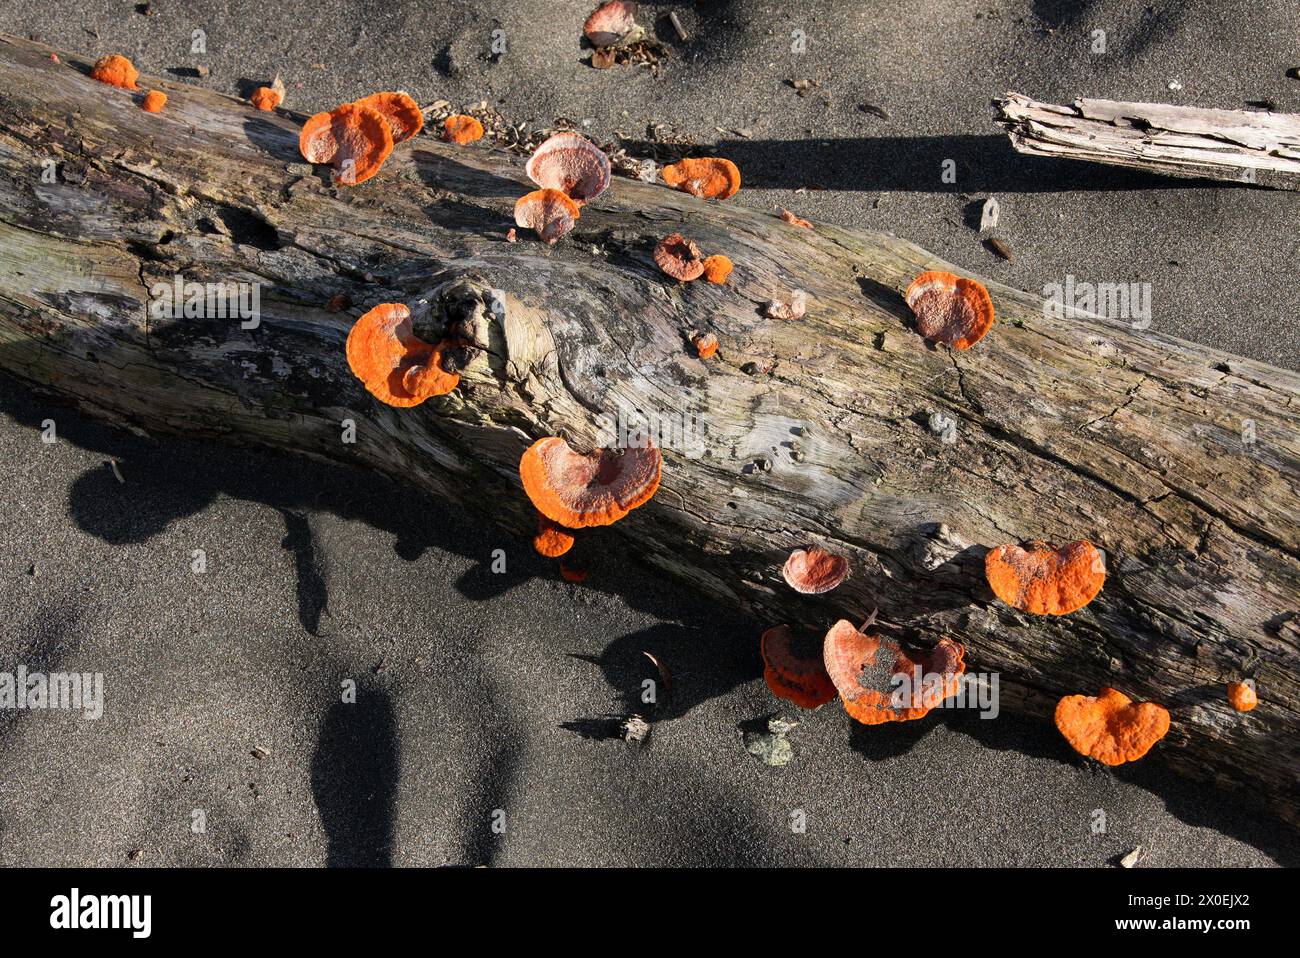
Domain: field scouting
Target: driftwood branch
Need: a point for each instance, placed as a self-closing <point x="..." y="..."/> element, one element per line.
<point x="1180" y="461"/>
<point x="1237" y="146"/>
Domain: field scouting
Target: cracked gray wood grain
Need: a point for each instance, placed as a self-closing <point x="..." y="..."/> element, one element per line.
<point x="1065" y="427"/>
<point x="1237" y="146"/>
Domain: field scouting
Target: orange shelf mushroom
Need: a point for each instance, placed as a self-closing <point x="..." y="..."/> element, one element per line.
<point x="1109" y="727"/>
<point x="578" y="490"/>
<point x="1043" y="580"/>
<point x="792" y="672"/>
<point x="571" y="164"/>
<point x="549" y="213"/>
<point x="395" y="366"/>
<point x="1242" y="696"/>
<point x="950" y="309"/>
<point x="679" y="257"/>
<point x="461" y="128"/>
<point x="709" y="177"/>
<point x="153" y="101"/>
<point x="610" y="23"/>
<point x="267" y="98"/>
<point x="355" y="139"/>
<point x="814" y="571"/>
<point x="717" y="268"/>
<point x="867" y="671"/>
<point x="400" y="111"/>
<point x="706" y="344"/>
<point x="552" y="540"/>
<point x="116" y="70"/>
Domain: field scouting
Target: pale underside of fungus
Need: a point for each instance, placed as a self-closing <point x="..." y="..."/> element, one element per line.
<point x="570" y="163"/>
<point x="679" y="257"/>
<point x="354" y="139"/>
<point x="814" y="571"/>
<point x="950" y="309"/>
<point x="549" y="213"/>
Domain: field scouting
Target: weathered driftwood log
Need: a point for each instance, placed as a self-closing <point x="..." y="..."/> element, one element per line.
<point x="1238" y="146"/>
<point x="1180" y="461"/>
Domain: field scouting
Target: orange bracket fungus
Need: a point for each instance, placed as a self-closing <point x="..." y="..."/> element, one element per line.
<point x="709" y="177"/>
<point x="153" y="101"/>
<point x="610" y="23"/>
<point x="550" y="213"/>
<point x="577" y="490"/>
<point x="461" y="128"/>
<point x="950" y="309"/>
<point x="116" y="70"/>
<point x="551" y="540"/>
<point x="880" y="681"/>
<point x="395" y="366"/>
<point x="1109" y="727"/>
<point x="717" y="268"/>
<point x="1242" y="696"/>
<point x="571" y="164"/>
<point x="355" y="139"/>
<point x="706" y="344"/>
<point x="267" y="98"/>
<point x="402" y="113"/>
<point x="1044" y="580"/>
<point x="814" y="571"/>
<point x="793" y="672"/>
<point x="679" y="257"/>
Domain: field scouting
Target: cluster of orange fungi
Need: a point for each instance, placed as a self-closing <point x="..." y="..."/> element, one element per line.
<point x="395" y="365"/>
<point x="356" y="138"/>
<point x="574" y="490"/>
<point x="681" y="259"/>
<point x="116" y="70"/>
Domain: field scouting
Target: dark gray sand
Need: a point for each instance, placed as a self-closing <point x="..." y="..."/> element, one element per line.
<point x="479" y="691"/>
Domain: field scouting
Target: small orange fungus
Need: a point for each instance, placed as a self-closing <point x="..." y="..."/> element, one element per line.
<point x="880" y="681"/>
<point x="552" y="540"/>
<point x="116" y="70"/>
<point x="717" y="268"/>
<point x="1242" y="696"/>
<point x="814" y="571"/>
<point x="462" y="129"/>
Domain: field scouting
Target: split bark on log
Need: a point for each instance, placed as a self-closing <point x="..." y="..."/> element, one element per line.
<point x="1237" y="146"/>
<point x="1180" y="461"/>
